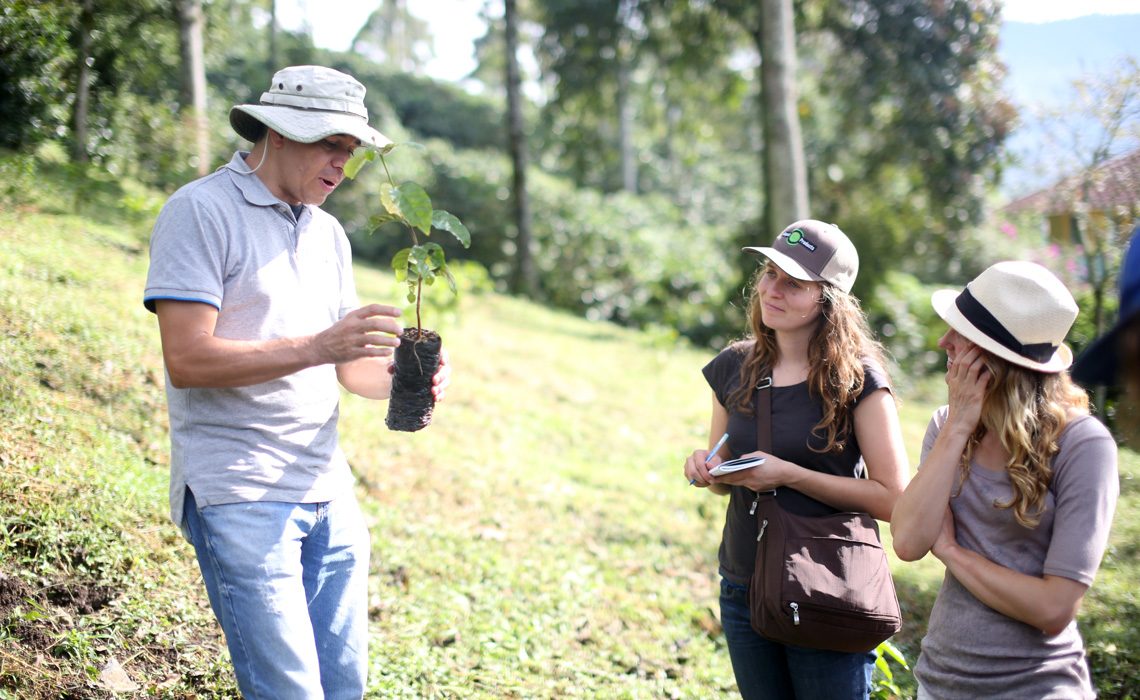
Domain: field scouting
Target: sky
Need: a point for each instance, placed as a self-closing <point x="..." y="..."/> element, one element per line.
<point x="1053" y="10"/>
<point x="455" y="24"/>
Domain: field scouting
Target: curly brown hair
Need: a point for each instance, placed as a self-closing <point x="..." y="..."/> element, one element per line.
<point x="840" y="347"/>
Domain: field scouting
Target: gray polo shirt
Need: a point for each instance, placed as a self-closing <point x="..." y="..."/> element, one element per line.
<point x="972" y="651"/>
<point x="226" y="241"/>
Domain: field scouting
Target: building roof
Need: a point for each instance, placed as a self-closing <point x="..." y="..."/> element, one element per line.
<point x="1115" y="183"/>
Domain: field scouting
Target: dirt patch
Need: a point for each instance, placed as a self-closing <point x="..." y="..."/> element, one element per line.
<point x="12" y="591"/>
<point x="84" y="599"/>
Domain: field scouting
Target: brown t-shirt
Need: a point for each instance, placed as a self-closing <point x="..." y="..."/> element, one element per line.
<point x="794" y="413"/>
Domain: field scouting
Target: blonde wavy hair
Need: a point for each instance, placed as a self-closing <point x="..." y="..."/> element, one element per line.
<point x="841" y="344"/>
<point x="1027" y="410"/>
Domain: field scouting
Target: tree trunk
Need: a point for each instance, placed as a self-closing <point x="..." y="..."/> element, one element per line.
<point x="525" y="279"/>
<point x="190" y="21"/>
<point x="625" y="109"/>
<point x="271" y="59"/>
<point x="82" y="83"/>
<point x="785" y="172"/>
<point x="625" y="126"/>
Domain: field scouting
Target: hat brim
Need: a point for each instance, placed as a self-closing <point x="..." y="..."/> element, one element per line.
<point x="304" y="126"/>
<point x="791" y="267"/>
<point x="943" y="303"/>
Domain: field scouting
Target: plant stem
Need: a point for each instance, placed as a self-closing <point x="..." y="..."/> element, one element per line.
<point x="419" y="295"/>
<point x="415" y="242"/>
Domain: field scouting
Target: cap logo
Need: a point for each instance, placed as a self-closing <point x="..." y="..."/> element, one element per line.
<point x="796" y="237"/>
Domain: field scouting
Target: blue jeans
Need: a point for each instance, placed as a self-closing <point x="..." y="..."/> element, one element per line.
<point x="289" y="584"/>
<point x="769" y="670"/>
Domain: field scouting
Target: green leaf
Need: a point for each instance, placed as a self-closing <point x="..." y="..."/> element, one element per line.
<point x="377" y="220"/>
<point x="446" y="221"/>
<point x="884" y="668"/>
<point x="892" y="651"/>
<point x="409" y="202"/>
<point x="434" y="255"/>
<point x="400" y="264"/>
<point x="360" y="158"/>
<point x="450" y="280"/>
<point x="423" y="269"/>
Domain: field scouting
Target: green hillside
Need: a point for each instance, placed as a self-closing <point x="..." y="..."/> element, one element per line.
<point x="538" y="540"/>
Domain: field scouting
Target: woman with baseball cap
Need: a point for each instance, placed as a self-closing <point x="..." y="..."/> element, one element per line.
<point x="833" y="419"/>
<point x="1014" y="494"/>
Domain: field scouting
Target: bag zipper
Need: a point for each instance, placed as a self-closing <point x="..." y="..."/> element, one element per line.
<point x="795" y="608"/>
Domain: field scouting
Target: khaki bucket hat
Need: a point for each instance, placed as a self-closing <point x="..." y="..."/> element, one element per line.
<point x="307" y="104"/>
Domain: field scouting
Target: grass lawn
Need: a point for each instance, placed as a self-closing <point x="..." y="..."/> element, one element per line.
<point x="538" y="540"/>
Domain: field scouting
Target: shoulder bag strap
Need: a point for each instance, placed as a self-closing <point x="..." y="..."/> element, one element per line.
<point x="763" y="407"/>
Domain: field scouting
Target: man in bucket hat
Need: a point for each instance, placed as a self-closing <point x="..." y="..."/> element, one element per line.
<point x="252" y="285"/>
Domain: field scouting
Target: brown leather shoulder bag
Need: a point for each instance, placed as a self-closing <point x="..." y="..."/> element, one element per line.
<point x="822" y="582"/>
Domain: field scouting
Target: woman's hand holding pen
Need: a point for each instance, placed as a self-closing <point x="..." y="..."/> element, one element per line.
<point x="697" y="467"/>
<point x="699" y="463"/>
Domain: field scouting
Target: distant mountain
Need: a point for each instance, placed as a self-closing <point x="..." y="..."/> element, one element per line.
<point x="1042" y="62"/>
<point x="1043" y="59"/>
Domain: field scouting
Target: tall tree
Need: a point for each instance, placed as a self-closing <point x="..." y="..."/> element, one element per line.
<point x="785" y="171"/>
<point x="190" y="29"/>
<point x="34" y="71"/>
<point x="910" y="119"/>
<point x="1099" y="122"/>
<point x="82" y="81"/>
<point x="392" y="35"/>
<point x="271" y="58"/>
<point x="525" y="278"/>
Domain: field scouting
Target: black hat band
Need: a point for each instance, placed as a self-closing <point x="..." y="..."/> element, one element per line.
<point x="987" y="323"/>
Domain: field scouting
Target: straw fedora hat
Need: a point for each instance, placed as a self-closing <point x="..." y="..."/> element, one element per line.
<point x="307" y="104"/>
<point x="1016" y="310"/>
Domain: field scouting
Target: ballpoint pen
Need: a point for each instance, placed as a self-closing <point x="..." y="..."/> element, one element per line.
<point x="716" y="448"/>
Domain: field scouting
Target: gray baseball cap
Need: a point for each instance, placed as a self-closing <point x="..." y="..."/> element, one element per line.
<point x="814" y="251"/>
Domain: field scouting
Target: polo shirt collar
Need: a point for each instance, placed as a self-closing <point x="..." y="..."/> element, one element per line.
<point x="250" y="185"/>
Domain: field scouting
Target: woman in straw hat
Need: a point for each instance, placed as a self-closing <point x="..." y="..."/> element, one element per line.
<point x="833" y="419"/>
<point x="1015" y="494"/>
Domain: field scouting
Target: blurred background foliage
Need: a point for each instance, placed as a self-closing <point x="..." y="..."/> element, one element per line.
<point x="643" y="129"/>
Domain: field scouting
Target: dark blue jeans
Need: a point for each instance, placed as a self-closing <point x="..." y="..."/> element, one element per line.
<point x="767" y="670"/>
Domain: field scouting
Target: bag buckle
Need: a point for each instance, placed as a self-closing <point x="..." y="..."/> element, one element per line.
<point x="764" y="383"/>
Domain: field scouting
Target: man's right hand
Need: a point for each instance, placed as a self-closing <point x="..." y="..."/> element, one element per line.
<point x="370" y="331"/>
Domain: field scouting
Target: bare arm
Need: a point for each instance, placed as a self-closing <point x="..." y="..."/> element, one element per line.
<point x="1048" y="603"/>
<point x="880" y="438"/>
<point x="195" y="357"/>
<point x="371" y="377"/>
<point x="917" y="519"/>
